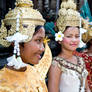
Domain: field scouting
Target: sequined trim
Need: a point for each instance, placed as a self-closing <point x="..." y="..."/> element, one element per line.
<point x="77" y="67"/>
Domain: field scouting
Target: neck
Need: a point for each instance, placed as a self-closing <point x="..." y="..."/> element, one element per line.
<point x="66" y="54"/>
<point x="89" y="51"/>
<point x="19" y="70"/>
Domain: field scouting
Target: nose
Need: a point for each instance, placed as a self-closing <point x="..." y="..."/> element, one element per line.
<point x="74" y="39"/>
<point x="42" y="48"/>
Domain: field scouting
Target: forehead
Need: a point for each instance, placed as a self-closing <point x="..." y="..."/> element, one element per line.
<point x="40" y="33"/>
<point x="72" y="30"/>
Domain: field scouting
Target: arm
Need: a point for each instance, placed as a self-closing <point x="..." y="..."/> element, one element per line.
<point x="54" y="78"/>
<point x="87" y="87"/>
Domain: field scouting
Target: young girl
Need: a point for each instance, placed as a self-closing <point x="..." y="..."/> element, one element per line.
<point x="22" y="31"/>
<point x="67" y="72"/>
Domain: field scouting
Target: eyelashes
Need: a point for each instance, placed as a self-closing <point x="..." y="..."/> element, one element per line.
<point x="72" y="36"/>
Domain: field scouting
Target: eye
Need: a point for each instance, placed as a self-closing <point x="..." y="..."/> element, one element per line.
<point x="38" y="40"/>
<point x="77" y="36"/>
<point x="68" y="36"/>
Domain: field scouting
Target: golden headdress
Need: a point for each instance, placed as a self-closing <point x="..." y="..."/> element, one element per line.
<point x="87" y="36"/>
<point x="29" y="19"/>
<point x="68" y="16"/>
<point x="19" y="26"/>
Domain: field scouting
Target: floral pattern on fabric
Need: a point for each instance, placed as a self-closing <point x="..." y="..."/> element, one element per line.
<point x="88" y="63"/>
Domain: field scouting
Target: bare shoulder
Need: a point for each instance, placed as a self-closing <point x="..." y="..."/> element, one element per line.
<point x="54" y="77"/>
<point x="55" y="68"/>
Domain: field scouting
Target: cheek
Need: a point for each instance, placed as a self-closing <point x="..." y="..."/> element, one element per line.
<point x="78" y="40"/>
<point x="66" y="41"/>
<point x="34" y="48"/>
<point x="28" y="49"/>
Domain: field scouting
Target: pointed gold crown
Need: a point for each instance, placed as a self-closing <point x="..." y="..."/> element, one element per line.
<point x="87" y="36"/>
<point x="29" y="19"/>
<point x="68" y="16"/>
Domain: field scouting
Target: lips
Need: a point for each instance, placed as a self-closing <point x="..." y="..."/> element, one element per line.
<point x="38" y="56"/>
<point x="73" y="44"/>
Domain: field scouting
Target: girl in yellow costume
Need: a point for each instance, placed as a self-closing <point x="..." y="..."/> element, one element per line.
<point x="23" y="29"/>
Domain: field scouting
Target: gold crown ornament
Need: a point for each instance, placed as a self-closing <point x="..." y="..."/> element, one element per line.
<point x="29" y="19"/>
<point x="87" y="36"/>
<point x="68" y="16"/>
<point x="19" y="26"/>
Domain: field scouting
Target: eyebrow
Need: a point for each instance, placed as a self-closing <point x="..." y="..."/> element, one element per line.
<point x="40" y="37"/>
<point x="72" y="34"/>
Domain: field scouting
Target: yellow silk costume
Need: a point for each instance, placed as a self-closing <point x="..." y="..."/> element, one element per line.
<point x="31" y="80"/>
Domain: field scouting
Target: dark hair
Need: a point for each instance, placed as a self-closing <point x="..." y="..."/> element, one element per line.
<point x="71" y="26"/>
<point x="88" y="45"/>
<point x="37" y="29"/>
<point x="5" y="51"/>
<point x="54" y="46"/>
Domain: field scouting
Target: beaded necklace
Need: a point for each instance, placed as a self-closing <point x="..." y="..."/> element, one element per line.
<point x="79" y="68"/>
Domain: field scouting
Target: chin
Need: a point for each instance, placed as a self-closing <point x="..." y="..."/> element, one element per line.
<point x="35" y="62"/>
<point x="72" y="49"/>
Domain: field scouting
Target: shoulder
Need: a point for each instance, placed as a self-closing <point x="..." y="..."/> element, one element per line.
<point x="58" y="62"/>
<point x="55" y="69"/>
<point x="3" y="80"/>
